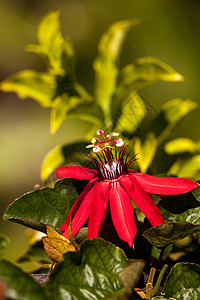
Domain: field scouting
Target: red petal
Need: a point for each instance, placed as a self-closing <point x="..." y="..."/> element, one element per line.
<point x="142" y="199"/>
<point x="164" y="185"/>
<point x="80" y="210"/>
<point x="75" y="172"/>
<point x="98" y="209"/>
<point x="122" y="213"/>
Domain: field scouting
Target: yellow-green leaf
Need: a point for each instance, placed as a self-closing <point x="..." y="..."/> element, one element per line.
<point x="56" y="245"/>
<point x="58" y="51"/>
<point x="144" y="71"/>
<point x="132" y="112"/>
<point x="28" y="83"/>
<point x="176" y="109"/>
<point x="146" y="150"/>
<point x="105" y="64"/>
<point x="189" y="168"/>
<point x="181" y="145"/>
<point x="61" y="106"/>
<point x="61" y="154"/>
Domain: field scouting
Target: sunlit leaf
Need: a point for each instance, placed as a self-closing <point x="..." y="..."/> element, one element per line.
<point x="176" y="109"/>
<point x="181" y="277"/>
<point x="144" y="71"/>
<point x="146" y="150"/>
<point x="105" y="65"/>
<point x="68" y="153"/>
<point x="159" y="298"/>
<point x="128" y="114"/>
<point x="166" y="233"/>
<point x="45" y="206"/>
<point x="4" y="243"/>
<point x="28" y="83"/>
<point x="56" y="245"/>
<point x="181" y="145"/>
<point x="188" y="168"/>
<point x="171" y="113"/>
<point x="91" y="273"/>
<point x="58" y="51"/>
<point x="60" y="108"/>
<point x="20" y="285"/>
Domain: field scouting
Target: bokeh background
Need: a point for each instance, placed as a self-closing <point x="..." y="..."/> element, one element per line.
<point x="169" y="30"/>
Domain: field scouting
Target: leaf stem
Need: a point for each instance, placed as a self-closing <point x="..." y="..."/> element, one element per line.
<point x="159" y="280"/>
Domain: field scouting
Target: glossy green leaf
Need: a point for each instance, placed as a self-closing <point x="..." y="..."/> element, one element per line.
<point x="105" y="65"/>
<point x="91" y="273"/>
<point x="58" y="51"/>
<point x="42" y="207"/>
<point x="191" y="215"/>
<point x="181" y="145"/>
<point x="166" y="233"/>
<point x="28" y="83"/>
<point x="196" y="193"/>
<point x="20" y="285"/>
<point x="146" y="150"/>
<point x="191" y="293"/>
<point x="4" y="243"/>
<point x="129" y="113"/>
<point x="68" y="153"/>
<point x="144" y="71"/>
<point x="188" y="168"/>
<point x="181" y="277"/>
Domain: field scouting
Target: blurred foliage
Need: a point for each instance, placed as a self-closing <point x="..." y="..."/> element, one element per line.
<point x="115" y="105"/>
<point x="100" y="269"/>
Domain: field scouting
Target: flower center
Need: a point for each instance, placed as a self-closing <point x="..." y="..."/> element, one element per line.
<point x="109" y="163"/>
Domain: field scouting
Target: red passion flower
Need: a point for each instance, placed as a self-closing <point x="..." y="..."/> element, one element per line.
<point x="112" y="183"/>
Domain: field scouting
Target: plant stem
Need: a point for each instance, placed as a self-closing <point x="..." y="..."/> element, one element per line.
<point x="149" y="284"/>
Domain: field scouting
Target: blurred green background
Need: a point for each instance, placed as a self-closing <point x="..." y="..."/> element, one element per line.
<point x="169" y="30"/>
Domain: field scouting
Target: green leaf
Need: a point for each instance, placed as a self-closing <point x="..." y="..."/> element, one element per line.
<point x="45" y="206"/>
<point x="28" y="83"/>
<point x="129" y="113"/>
<point x="176" y="109"/>
<point x="131" y="275"/>
<point x="35" y="252"/>
<point x="146" y="149"/>
<point x="181" y="277"/>
<point x="72" y="152"/>
<point x="191" y="293"/>
<point x="181" y="145"/>
<point x="91" y="273"/>
<point x="105" y="65"/>
<point x="191" y="215"/>
<point x="4" y="243"/>
<point x="20" y="285"/>
<point x="159" y="298"/>
<point x="61" y="106"/>
<point x="166" y="233"/>
<point x="171" y="113"/>
<point x="59" y="52"/>
<point x="145" y="71"/>
<point x="188" y="168"/>
<point x="196" y="193"/>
